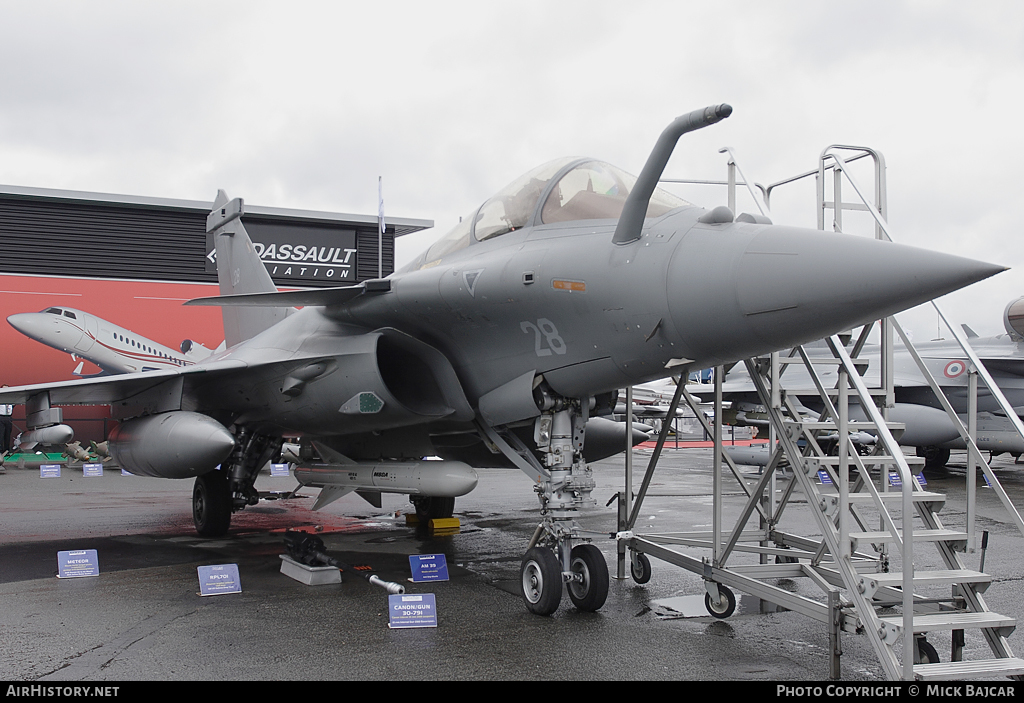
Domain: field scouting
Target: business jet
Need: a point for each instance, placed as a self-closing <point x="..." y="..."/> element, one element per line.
<point x="114" y="349"/>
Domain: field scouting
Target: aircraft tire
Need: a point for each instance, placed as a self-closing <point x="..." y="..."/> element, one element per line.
<point x="590" y="593"/>
<point x="211" y="504"/>
<point x="541" y="575"/>
<point x="934" y="457"/>
<point x="640" y="567"/>
<point x="926" y="652"/>
<point x="726" y="607"/>
<point x="432" y="507"/>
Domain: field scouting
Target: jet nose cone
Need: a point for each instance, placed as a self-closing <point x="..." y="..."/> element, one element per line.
<point x="786" y="286"/>
<point x="825" y="275"/>
<point x="30" y="324"/>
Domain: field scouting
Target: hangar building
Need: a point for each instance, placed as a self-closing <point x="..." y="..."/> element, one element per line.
<point x="134" y="261"/>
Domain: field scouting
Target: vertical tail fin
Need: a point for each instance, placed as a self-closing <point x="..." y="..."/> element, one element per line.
<point x="239" y="270"/>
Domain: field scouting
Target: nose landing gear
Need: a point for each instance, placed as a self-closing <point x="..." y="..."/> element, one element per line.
<point x="552" y="560"/>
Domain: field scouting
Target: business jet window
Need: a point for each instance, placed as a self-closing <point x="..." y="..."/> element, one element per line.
<point x="53" y="311"/>
<point x="68" y="313"/>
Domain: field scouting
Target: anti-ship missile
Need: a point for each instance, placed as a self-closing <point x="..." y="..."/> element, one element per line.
<point x="445" y="479"/>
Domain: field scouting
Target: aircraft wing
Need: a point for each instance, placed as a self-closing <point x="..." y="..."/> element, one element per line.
<point x="908" y="375"/>
<point x="1008" y="365"/>
<point x="319" y="297"/>
<point x="106" y="390"/>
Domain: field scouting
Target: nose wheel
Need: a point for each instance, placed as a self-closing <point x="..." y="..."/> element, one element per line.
<point x="542" y="581"/>
<point x="589" y="588"/>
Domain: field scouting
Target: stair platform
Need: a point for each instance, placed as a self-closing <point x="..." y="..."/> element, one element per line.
<point x="981" y="668"/>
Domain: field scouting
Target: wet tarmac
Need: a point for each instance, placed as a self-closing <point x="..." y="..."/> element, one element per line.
<point x="142" y="618"/>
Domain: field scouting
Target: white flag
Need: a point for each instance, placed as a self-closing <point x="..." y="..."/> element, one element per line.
<point x="380" y="226"/>
<point x="380" y="203"/>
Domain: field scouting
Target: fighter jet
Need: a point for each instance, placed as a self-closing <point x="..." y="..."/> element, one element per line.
<point x="114" y="349"/>
<point x="928" y="428"/>
<point x="1002" y="355"/>
<point x="499" y="344"/>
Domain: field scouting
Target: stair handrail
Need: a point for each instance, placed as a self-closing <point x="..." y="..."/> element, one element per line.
<point x="968" y="351"/>
<point x="907" y="481"/>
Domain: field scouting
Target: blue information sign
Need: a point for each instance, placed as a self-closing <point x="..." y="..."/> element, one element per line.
<point x="49" y="471"/>
<point x="419" y="610"/>
<point x="218" y="580"/>
<point x="77" y="563"/>
<point x="823" y="477"/>
<point x="92" y="469"/>
<point x="895" y="482"/>
<point x="428" y="567"/>
<point x="279" y="469"/>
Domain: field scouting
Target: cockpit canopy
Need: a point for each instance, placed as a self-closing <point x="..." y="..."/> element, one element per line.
<point x="564" y="190"/>
<point x="1013" y="319"/>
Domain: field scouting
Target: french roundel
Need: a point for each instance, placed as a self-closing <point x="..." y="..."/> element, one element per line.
<point x="954" y="369"/>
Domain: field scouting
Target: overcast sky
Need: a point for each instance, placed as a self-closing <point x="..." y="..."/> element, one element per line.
<point x="305" y="104"/>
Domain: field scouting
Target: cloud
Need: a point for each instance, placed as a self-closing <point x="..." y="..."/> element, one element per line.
<point x="305" y="104"/>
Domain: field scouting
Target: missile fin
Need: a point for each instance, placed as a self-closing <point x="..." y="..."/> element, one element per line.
<point x="371" y="497"/>
<point x="329" y="494"/>
<point x="329" y="455"/>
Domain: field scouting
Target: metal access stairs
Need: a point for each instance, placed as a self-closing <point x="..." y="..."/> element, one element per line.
<point x="866" y="531"/>
<point x="869" y="526"/>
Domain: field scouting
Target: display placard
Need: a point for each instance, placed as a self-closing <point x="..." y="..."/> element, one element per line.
<point x="77" y="563"/>
<point x="428" y="567"/>
<point x="219" y="579"/>
<point x="49" y="471"/>
<point x="415" y="610"/>
<point x="896" y="482"/>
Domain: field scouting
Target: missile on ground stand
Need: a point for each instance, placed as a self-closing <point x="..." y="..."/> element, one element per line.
<point x="54" y="434"/>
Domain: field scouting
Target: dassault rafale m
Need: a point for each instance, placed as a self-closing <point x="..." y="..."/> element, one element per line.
<point x="501" y="344"/>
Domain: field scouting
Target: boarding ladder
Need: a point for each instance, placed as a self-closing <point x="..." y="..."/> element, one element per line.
<point x="871" y="511"/>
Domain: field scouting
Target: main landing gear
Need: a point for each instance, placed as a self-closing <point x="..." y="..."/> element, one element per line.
<point x="432" y="507"/>
<point x="935" y="458"/>
<point x="211" y="504"/>
<point x="218" y="494"/>
<point x="552" y="558"/>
